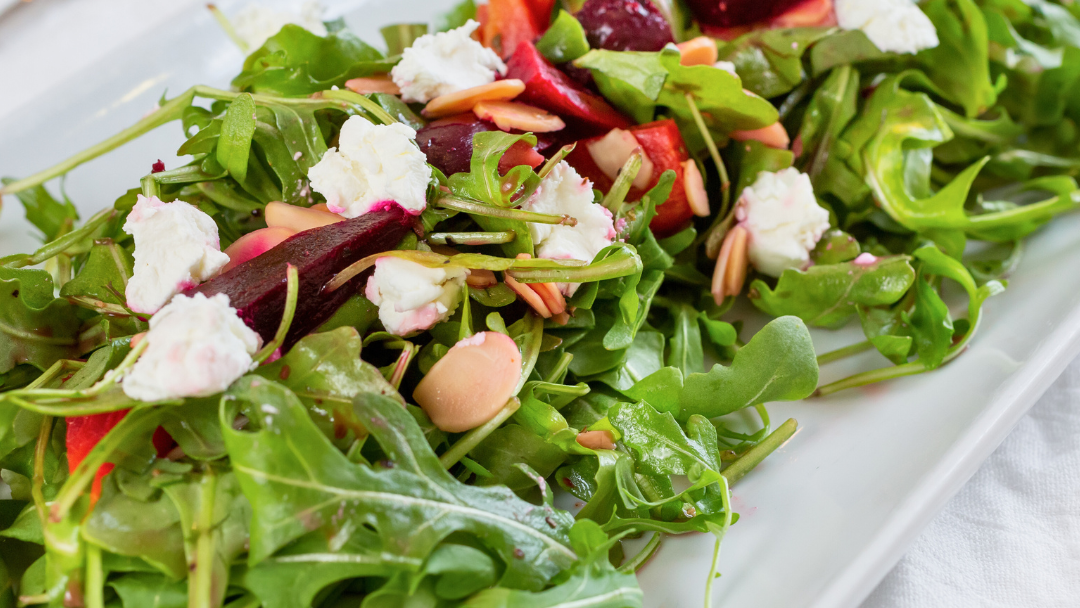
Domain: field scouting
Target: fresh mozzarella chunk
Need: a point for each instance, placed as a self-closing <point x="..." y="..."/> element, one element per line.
<point x="372" y="165"/>
<point x="896" y="26"/>
<point x="783" y="219"/>
<point x="564" y="192"/>
<point x="176" y="248"/>
<point x="255" y="24"/>
<point x="412" y="297"/>
<point x="196" y="347"/>
<point x="447" y="62"/>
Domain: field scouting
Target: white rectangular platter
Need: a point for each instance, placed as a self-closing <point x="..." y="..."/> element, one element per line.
<point x="825" y="518"/>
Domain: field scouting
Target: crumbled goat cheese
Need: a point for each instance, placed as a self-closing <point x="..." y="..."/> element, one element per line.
<point x="255" y="24"/>
<point x="727" y="66"/>
<point x="783" y="220"/>
<point x="176" y="248"/>
<point x="896" y="26"/>
<point x="412" y="297"/>
<point x="373" y="164"/>
<point x="447" y="62"/>
<point x="196" y="347"/>
<point x="564" y="192"/>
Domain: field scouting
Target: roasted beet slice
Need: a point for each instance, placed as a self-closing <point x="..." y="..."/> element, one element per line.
<point x="624" y="25"/>
<point x="256" y="288"/>
<point x="735" y="13"/>
<point x="448" y="142"/>
<point x="548" y="88"/>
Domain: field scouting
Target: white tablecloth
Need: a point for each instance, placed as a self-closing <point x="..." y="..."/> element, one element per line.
<point x="1011" y="537"/>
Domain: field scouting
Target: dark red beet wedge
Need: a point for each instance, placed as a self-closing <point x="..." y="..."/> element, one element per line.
<point x="735" y="13"/>
<point x="549" y="89"/>
<point x="624" y="25"/>
<point x="256" y="288"/>
<point x="448" y="142"/>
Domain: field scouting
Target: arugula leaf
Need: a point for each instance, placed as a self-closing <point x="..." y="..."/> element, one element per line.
<point x="47" y="214"/>
<point x="769" y="61"/>
<point x="401" y="36"/>
<point x="931" y="327"/>
<point x="109" y="265"/>
<point x="842" y="48"/>
<point x="507" y="447"/>
<point x="825" y="295"/>
<point x="412" y="506"/>
<point x="630" y="80"/>
<point x="145" y="589"/>
<point x="564" y="40"/>
<point x="456" y="17"/>
<point x="831" y="108"/>
<point x="959" y="65"/>
<point x="295" y="62"/>
<point x="888" y="332"/>
<point x="778" y="364"/>
<point x="35" y="327"/>
<point x="660" y="445"/>
<point x="237" y="131"/>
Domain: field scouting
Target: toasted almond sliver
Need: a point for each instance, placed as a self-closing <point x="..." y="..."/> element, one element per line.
<point x="481" y="279"/>
<point x="596" y="440"/>
<point x="508" y="115"/>
<point x="380" y="83"/>
<point x="695" y="189"/>
<point x="552" y="297"/>
<point x="531" y="298"/>
<point x="774" y="136"/>
<point x="297" y="218"/>
<point x="730" y="271"/>
<point x="698" y="51"/>
<point x="463" y="101"/>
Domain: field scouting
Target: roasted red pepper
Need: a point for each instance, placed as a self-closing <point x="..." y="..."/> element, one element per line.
<point x="84" y="432"/>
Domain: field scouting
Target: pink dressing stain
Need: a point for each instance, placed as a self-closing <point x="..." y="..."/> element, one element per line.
<point x="866" y="259"/>
<point x="274" y="356"/>
<point x="332" y="208"/>
<point x="386" y="205"/>
<point x="612" y="232"/>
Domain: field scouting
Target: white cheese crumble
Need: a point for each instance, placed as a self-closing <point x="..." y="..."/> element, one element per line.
<point x="373" y="164"/>
<point x="447" y="62"/>
<point x="255" y="24"/>
<point x="894" y="26"/>
<point x="176" y="248"/>
<point x="727" y="66"/>
<point x="196" y="347"/>
<point x="783" y="220"/>
<point x="412" y="297"/>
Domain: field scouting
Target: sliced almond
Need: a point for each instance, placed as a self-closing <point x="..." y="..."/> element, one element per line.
<point x="730" y="272"/>
<point x="471" y="383"/>
<point x="698" y="51"/>
<point x="509" y="115"/>
<point x="380" y="83"/>
<point x="137" y="338"/>
<point x="531" y="298"/>
<point x="463" y="101"/>
<point x="694" y="185"/>
<point x="562" y="318"/>
<point x="611" y="152"/>
<point x="596" y="440"/>
<point x="298" y="219"/>
<point x="774" y="136"/>
<point x="481" y="279"/>
<point x="552" y="297"/>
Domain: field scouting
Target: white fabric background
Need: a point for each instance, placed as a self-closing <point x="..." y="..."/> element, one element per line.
<point x="1011" y="537"/>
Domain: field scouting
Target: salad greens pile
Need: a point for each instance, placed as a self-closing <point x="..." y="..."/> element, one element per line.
<point x="313" y="481"/>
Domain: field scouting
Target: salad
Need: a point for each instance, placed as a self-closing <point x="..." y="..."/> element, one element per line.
<point x="450" y="324"/>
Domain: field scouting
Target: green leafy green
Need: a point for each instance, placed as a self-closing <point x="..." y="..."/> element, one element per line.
<point x="564" y="40"/>
<point x="35" y="327"/>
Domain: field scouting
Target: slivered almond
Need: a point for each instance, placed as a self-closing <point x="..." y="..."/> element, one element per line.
<point x="694" y="185"/>
<point x="531" y="298"/>
<point x="730" y="272"/>
<point x="698" y="51"/>
<point x="508" y="115"/>
<point x="611" y="152"/>
<point x="481" y="279"/>
<point x="463" y="101"/>
<point x="297" y="218"/>
<point x="596" y="440"/>
<point x="774" y="136"/>
<point x="552" y="297"/>
<point x="380" y="83"/>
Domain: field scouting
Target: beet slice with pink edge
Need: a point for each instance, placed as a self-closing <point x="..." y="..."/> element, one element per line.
<point x="257" y="288"/>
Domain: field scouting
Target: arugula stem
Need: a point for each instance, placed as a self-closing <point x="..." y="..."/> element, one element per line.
<point x="364" y="102"/>
<point x="201" y="580"/>
<point x="62" y="244"/>
<point x="473" y="438"/>
<point x="608" y="268"/>
<point x="872" y="376"/>
<point x="408" y="351"/>
<point x="506" y="213"/>
<point x="616" y="195"/>
<point x="99" y="306"/>
<point x="558" y="373"/>
<point x="38" y="481"/>
<point x="725" y="182"/>
<point x="719" y="532"/>
<point x="227" y="27"/>
<point x="642" y="557"/>
<point x="49" y="393"/>
<point x="753" y="457"/>
<point x="150" y="187"/>
<point x="95" y="578"/>
<point x="471" y="238"/>
<point x="555" y="160"/>
<point x="842" y="353"/>
<point x="292" y="289"/>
